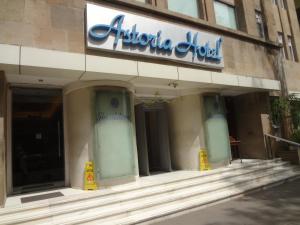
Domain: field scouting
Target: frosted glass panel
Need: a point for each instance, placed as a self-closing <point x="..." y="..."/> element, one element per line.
<point x="187" y="7"/>
<point x="225" y="15"/>
<point x="217" y="135"/>
<point x="114" y="145"/>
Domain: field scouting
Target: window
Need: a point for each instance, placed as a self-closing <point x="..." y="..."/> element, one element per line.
<point x="280" y="41"/>
<point x="260" y="24"/>
<point x="142" y="1"/>
<point x="280" y="3"/>
<point x="291" y="48"/>
<point x="186" y="7"/>
<point x="225" y="15"/>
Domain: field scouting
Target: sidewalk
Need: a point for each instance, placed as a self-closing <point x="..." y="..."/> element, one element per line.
<point x="279" y="205"/>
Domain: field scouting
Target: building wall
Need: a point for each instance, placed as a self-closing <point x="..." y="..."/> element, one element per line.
<point x="248" y="112"/>
<point x="59" y="25"/>
<point x="246" y="58"/>
<point x="292" y="73"/>
<point x="186" y="129"/>
<point x="287" y="23"/>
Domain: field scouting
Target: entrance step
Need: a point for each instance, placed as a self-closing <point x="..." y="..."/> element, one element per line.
<point x="154" y="196"/>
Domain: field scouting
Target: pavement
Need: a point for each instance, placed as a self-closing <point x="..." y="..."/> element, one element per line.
<point x="279" y="205"/>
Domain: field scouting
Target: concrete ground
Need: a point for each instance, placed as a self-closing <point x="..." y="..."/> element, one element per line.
<point x="279" y="205"/>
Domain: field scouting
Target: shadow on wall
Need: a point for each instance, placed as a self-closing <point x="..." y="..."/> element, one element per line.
<point x="248" y="110"/>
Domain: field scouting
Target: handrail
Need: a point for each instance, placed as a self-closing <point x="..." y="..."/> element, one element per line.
<point x="283" y="140"/>
<point x="270" y="154"/>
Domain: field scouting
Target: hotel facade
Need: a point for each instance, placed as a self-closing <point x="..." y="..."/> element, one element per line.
<point x="137" y="87"/>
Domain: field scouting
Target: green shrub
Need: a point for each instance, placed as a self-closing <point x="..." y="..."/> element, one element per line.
<point x="296" y="136"/>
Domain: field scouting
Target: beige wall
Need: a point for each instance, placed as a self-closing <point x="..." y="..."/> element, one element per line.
<point x="2" y="139"/>
<point x="78" y="106"/>
<point x="246" y="58"/>
<point x="248" y="112"/>
<point x="186" y="128"/>
<point x="53" y="24"/>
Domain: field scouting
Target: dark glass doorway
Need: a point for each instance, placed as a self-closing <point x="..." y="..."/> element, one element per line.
<point x="152" y="139"/>
<point x="37" y="139"/>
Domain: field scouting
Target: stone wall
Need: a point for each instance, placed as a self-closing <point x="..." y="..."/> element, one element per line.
<point x="49" y="24"/>
<point x="292" y="73"/>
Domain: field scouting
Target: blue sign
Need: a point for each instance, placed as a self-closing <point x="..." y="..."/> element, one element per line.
<point x="133" y="38"/>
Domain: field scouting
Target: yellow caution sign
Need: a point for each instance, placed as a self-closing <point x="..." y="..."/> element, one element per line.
<point x="203" y="159"/>
<point x="89" y="177"/>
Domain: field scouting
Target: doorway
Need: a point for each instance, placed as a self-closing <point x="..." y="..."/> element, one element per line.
<point x="37" y="139"/>
<point x="152" y="139"/>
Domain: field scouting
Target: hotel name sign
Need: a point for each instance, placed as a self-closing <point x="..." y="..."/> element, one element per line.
<point x="125" y="32"/>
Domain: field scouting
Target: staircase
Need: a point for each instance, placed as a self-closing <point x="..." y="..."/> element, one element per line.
<point x="154" y="196"/>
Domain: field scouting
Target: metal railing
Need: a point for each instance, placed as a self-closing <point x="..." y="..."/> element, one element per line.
<point x="270" y="154"/>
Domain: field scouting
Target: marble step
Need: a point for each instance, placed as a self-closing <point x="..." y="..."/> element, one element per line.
<point x="144" y="215"/>
<point x="123" y="208"/>
<point x="125" y="188"/>
<point x="41" y="213"/>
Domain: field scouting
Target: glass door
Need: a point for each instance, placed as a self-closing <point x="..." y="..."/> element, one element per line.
<point x="37" y="139"/>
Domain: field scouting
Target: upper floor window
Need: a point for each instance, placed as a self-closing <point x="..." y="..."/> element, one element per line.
<point x="291" y="48"/>
<point x="260" y="24"/>
<point x="225" y="15"/>
<point x="280" y="3"/>
<point x="186" y="7"/>
<point x="281" y="41"/>
<point x="143" y="1"/>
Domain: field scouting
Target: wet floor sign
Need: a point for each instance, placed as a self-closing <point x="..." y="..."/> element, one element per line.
<point x="203" y="159"/>
<point x="89" y="177"/>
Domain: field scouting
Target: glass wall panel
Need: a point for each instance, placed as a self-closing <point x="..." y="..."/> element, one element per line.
<point x="217" y="135"/>
<point x="114" y="140"/>
<point x="225" y="15"/>
<point x="187" y="7"/>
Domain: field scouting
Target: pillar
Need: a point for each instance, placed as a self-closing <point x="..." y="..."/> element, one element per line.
<point x="79" y="137"/>
<point x="186" y="131"/>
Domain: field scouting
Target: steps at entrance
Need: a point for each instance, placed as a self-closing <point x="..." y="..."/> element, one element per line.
<point x="135" y="203"/>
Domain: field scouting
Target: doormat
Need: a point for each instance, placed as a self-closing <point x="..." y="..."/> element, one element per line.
<point x="41" y="197"/>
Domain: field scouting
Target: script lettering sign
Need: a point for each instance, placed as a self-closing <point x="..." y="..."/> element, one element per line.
<point x="120" y="31"/>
